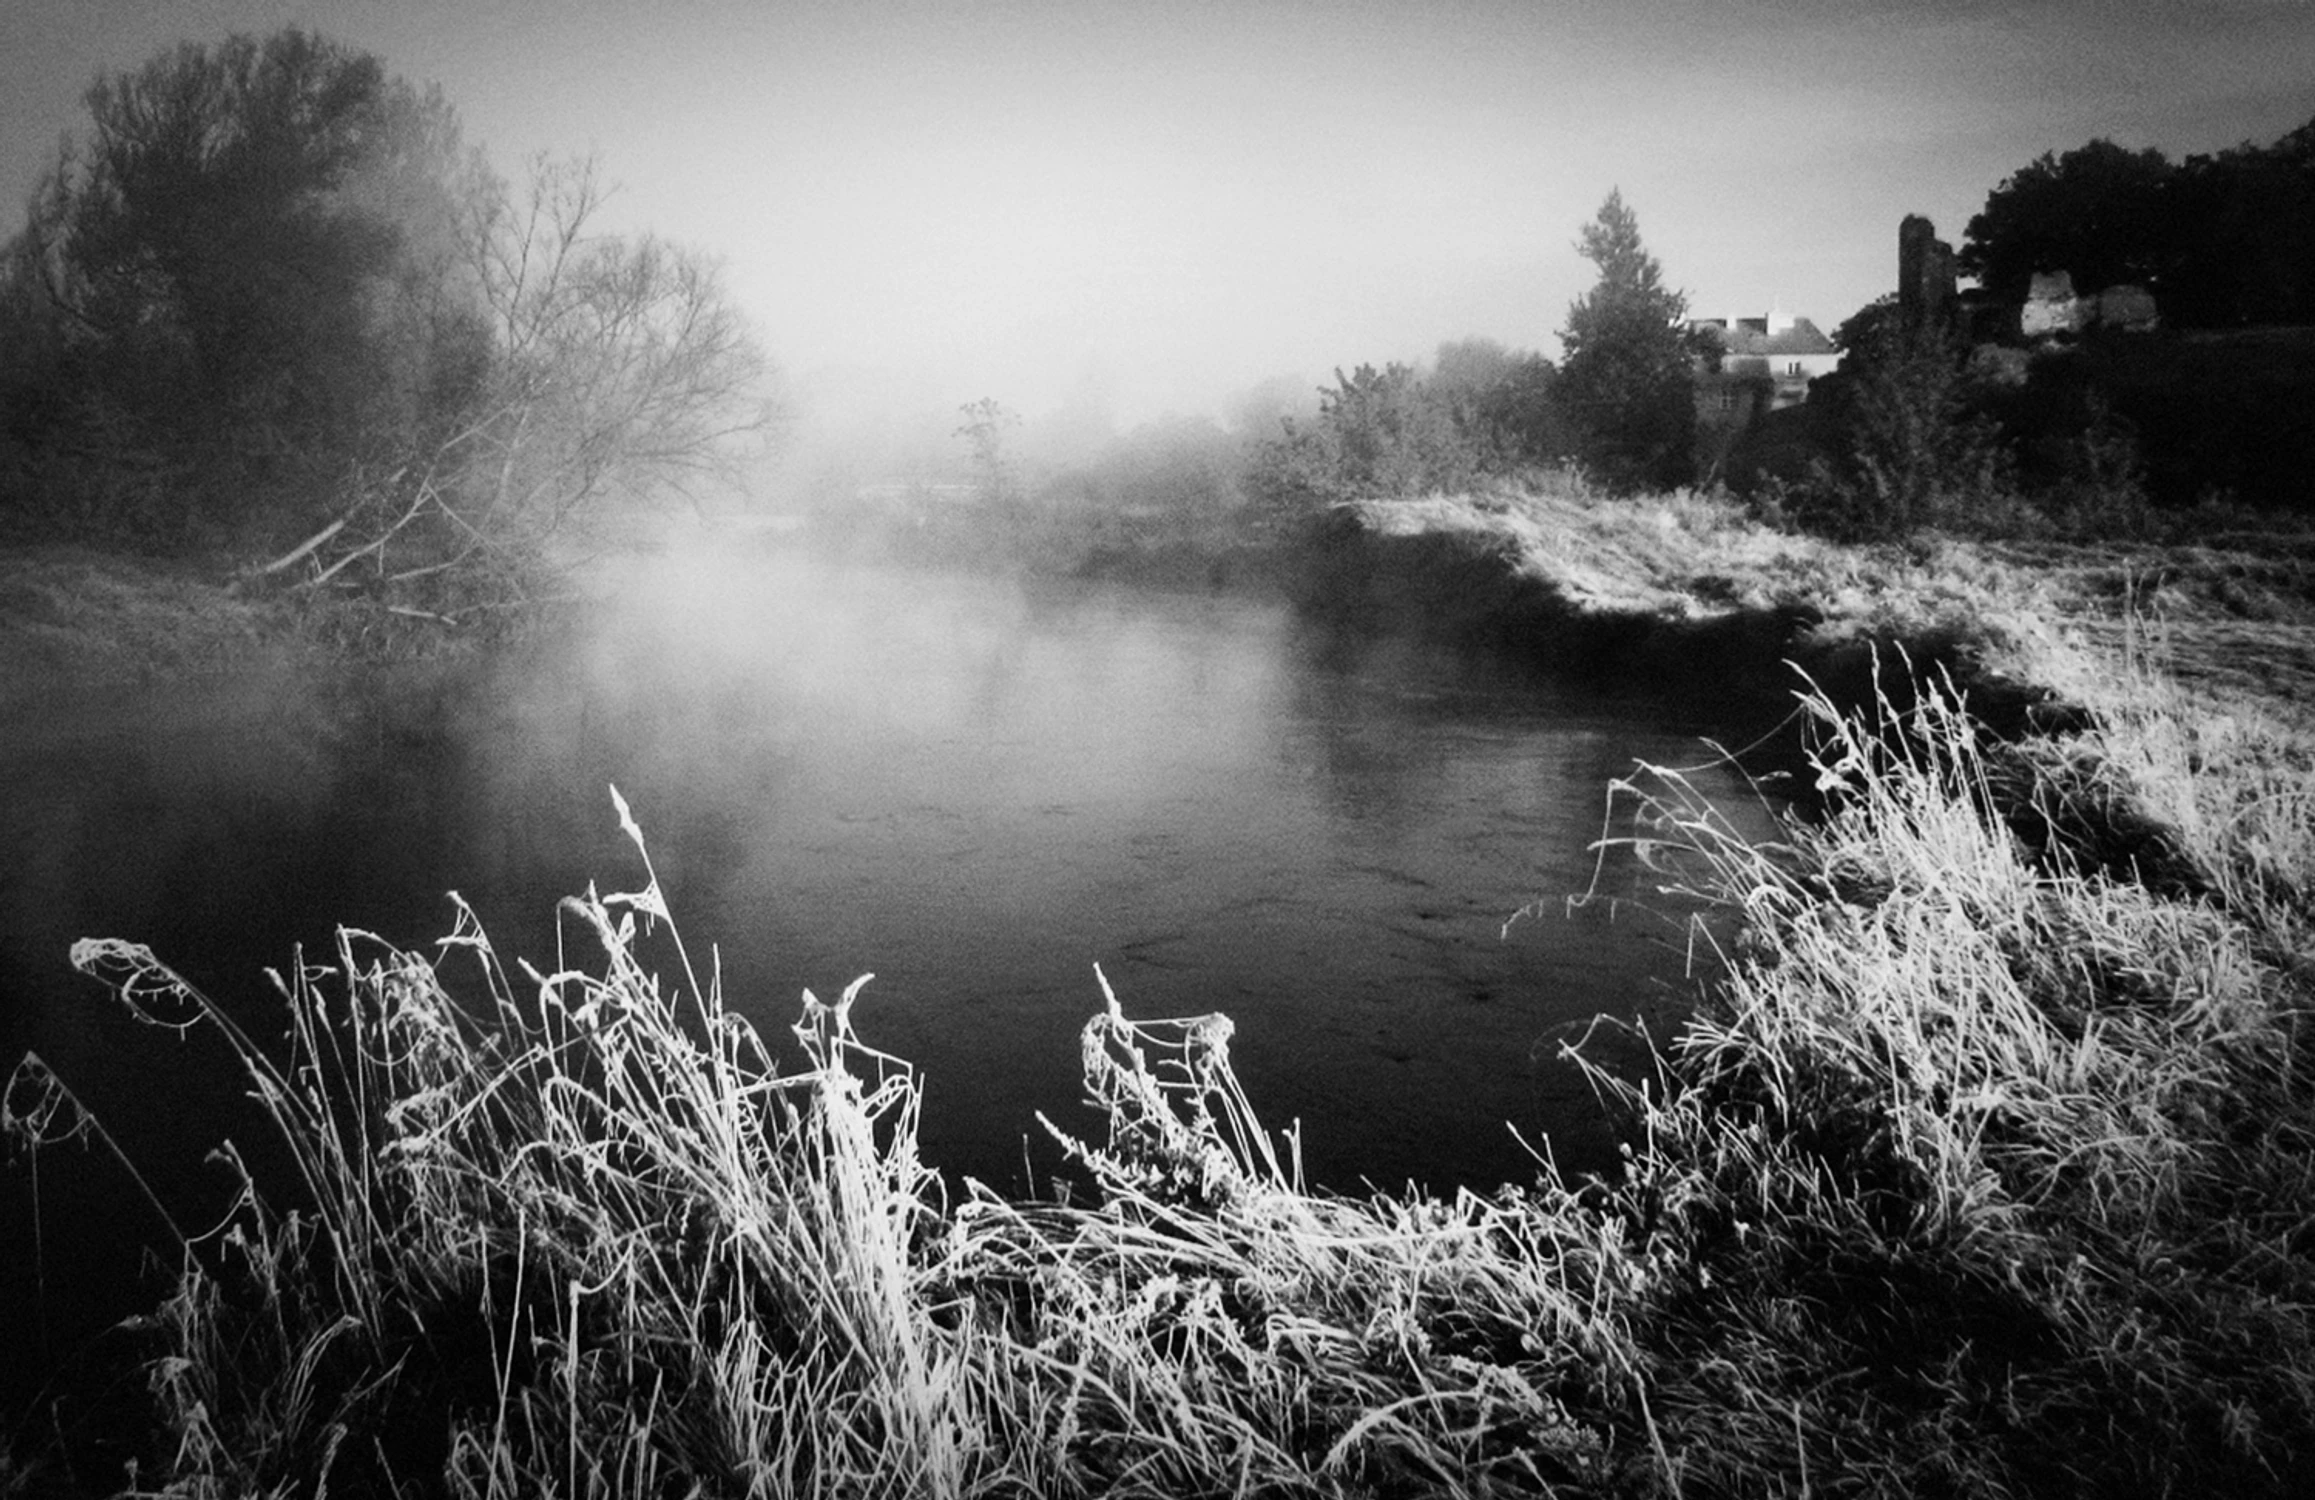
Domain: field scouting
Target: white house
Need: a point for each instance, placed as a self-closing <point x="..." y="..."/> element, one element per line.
<point x="1774" y="356"/>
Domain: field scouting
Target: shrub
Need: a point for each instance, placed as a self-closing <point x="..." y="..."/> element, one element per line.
<point x="1379" y="433"/>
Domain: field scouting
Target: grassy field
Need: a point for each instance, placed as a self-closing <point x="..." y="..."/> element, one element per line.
<point x="1986" y="1165"/>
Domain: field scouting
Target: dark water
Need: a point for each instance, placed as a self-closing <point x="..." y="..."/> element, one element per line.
<point x="974" y="788"/>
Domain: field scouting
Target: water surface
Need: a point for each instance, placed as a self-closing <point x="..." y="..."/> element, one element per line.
<point x="976" y="788"/>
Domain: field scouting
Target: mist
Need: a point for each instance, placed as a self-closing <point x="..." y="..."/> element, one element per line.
<point x="874" y="466"/>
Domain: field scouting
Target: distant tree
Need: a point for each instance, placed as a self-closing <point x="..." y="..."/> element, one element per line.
<point x="1627" y="382"/>
<point x="986" y="425"/>
<point x="1254" y="414"/>
<point x="1465" y="371"/>
<point x="35" y="409"/>
<point x="1502" y="401"/>
<point x="2241" y="236"/>
<point x="1177" y="479"/>
<point x="1181" y="468"/>
<point x="1392" y="435"/>
<point x="1379" y="434"/>
<point x="2099" y="212"/>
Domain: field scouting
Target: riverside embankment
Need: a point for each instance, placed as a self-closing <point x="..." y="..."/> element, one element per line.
<point x="1694" y="587"/>
<point x="74" y="615"/>
<point x="1980" y="1168"/>
<point x="1690" y="597"/>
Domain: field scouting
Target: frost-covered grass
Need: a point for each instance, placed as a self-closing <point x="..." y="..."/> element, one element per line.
<point x="1691" y="557"/>
<point x="1987" y="1166"/>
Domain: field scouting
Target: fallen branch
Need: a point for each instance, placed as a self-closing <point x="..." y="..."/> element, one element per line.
<point x="378" y="546"/>
<point x="290" y="557"/>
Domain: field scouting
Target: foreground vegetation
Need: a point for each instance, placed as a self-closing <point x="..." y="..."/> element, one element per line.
<point x="1984" y="1166"/>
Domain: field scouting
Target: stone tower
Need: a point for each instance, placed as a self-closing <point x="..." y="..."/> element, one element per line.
<point x="1925" y="298"/>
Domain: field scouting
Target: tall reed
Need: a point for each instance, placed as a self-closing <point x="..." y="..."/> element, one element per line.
<point x="588" y="1238"/>
<point x="591" y="1240"/>
<point x="1983" y="1168"/>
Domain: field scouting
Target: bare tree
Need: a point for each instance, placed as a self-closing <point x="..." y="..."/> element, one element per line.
<point x="617" y="378"/>
<point x="994" y="472"/>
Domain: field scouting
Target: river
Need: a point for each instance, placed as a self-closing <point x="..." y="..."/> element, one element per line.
<point x="977" y="788"/>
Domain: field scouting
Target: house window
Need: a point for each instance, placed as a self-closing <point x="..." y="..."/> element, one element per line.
<point x="1794" y="368"/>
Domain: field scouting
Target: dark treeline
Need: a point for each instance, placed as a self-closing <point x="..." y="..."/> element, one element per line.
<point x="268" y="305"/>
<point x="2222" y="241"/>
<point x="2097" y="431"/>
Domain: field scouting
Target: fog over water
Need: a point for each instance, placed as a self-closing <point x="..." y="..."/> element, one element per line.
<point x="975" y="787"/>
<point x="978" y="790"/>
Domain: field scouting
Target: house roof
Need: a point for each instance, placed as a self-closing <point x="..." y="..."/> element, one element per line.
<point x="1747" y="336"/>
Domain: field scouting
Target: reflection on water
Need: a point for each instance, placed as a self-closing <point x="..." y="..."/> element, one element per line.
<point x="976" y="789"/>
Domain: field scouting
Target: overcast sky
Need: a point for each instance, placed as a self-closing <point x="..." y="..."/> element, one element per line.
<point x="1166" y="202"/>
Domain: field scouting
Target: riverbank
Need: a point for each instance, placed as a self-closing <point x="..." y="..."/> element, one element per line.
<point x="1982" y="1170"/>
<point x="1643" y="584"/>
<point x="73" y="615"/>
<point x="76" y="618"/>
<point x="1983" y="1167"/>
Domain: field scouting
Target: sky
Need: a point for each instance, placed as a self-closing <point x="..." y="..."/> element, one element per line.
<point x="1152" y="206"/>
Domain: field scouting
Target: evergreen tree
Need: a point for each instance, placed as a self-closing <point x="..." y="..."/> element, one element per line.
<point x="1628" y="378"/>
